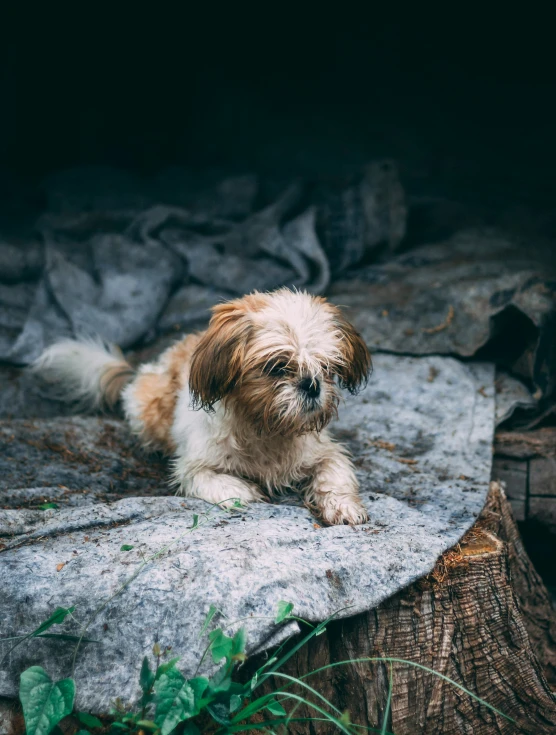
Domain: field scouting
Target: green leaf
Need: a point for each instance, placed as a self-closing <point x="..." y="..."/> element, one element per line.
<point x="208" y="620"/>
<point x="146" y="676"/>
<point x="195" y="521"/>
<point x="81" y="732"/>
<point x="88" y="720"/>
<point x="235" y="702"/>
<point x="275" y="708"/>
<point x="345" y="719"/>
<point x="199" y="685"/>
<point x="221" y="681"/>
<point x="163" y="668"/>
<point x="176" y="699"/>
<point x="148" y="724"/>
<point x="57" y="617"/>
<point x="66" y="637"/>
<point x="48" y="506"/>
<point x="191" y="729"/>
<point x="238" y="642"/>
<point x="219" y="713"/>
<point x="44" y="702"/>
<point x="126" y="547"/>
<point x="284" y="611"/>
<point x="221" y="645"/>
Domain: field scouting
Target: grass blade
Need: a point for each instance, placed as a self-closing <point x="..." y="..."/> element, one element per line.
<point x="321" y="627"/>
<point x="210" y="615"/>
<point x="290" y="695"/>
<point x="388" y="703"/>
<point x="391" y="659"/>
<point x="259" y="703"/>
<point x="57" y="617"/>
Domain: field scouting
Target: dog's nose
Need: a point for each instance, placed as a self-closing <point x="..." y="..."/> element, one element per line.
<point x="310" y="386"/>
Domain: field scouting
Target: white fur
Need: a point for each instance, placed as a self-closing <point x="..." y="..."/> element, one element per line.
<point x="214" y="460"/>
<point x="219" y="456"/>
<point x="75" y="369"/>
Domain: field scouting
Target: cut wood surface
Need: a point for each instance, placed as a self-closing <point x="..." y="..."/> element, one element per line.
<point x="483" y="619"/>
<point x="526" y="463"/>
<point x="526" y="444"/>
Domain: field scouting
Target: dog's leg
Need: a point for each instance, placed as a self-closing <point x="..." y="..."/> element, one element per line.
<point x="333" y="490"/>
<point x="220" y="489"/>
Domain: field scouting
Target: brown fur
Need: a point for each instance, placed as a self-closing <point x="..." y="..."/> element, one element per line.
<point x="354" y="373"/>
<point x="157" y="397"/>
<point x="113" y="381"/>
<point x="219" y="357"/>
<point x="157" y="394"/>
<point x="225" y="366"/>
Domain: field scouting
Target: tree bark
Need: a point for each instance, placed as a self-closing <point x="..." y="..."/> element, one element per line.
<point x="483" y="618"/>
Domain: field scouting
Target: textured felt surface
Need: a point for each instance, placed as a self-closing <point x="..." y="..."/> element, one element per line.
<point x="421" y="435"/>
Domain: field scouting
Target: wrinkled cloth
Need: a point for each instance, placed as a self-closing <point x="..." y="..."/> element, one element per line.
<point x="421" y="437"/>
<point x="126" y="259"/>
<point x="479" y="294"/>
<point x="512" y="397"/>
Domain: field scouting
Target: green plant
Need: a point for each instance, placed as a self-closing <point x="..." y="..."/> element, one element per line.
<point x="170" y="703"/>
<point x="44" y="702"/>
<point x="57" y="617"/>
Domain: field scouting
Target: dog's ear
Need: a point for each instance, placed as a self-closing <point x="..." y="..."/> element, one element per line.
<point x="355" y="366"/>
<point x="217" y="362"/>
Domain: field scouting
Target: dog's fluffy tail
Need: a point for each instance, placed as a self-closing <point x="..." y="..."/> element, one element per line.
<point x="86" y="372"/>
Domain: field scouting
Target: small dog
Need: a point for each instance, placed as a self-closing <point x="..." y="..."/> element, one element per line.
<point x="266" y="373"/>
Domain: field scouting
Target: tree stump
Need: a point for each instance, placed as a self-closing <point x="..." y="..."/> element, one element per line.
<point x="483" y="618"/>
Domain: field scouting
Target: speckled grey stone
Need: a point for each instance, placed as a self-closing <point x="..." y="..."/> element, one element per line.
<point x="421" y="436"/>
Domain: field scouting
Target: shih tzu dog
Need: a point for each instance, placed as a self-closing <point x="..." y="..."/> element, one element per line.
<point x="266" y="375"/>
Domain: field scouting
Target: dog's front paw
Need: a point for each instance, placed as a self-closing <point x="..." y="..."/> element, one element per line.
<point x="336" y="511"/>
<point x="227" y="491"/>
<point x="236" y="494"/>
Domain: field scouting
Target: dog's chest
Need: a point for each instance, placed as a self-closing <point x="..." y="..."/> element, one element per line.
<point x="274" y="463"/>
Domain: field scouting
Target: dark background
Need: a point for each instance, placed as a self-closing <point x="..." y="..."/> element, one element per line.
<point x="462" y="97"/>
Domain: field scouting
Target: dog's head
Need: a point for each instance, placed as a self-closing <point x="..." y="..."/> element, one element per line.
<point x="278" y="360"/>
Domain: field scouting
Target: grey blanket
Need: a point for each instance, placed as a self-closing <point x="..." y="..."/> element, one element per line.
<point x="129" y="259"/>
<point x="421" y="434"/>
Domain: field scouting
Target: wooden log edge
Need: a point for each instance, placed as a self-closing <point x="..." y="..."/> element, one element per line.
<point x="483" y="618"/>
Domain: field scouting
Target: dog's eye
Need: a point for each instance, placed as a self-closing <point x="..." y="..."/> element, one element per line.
<point x="276" y="369"/>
